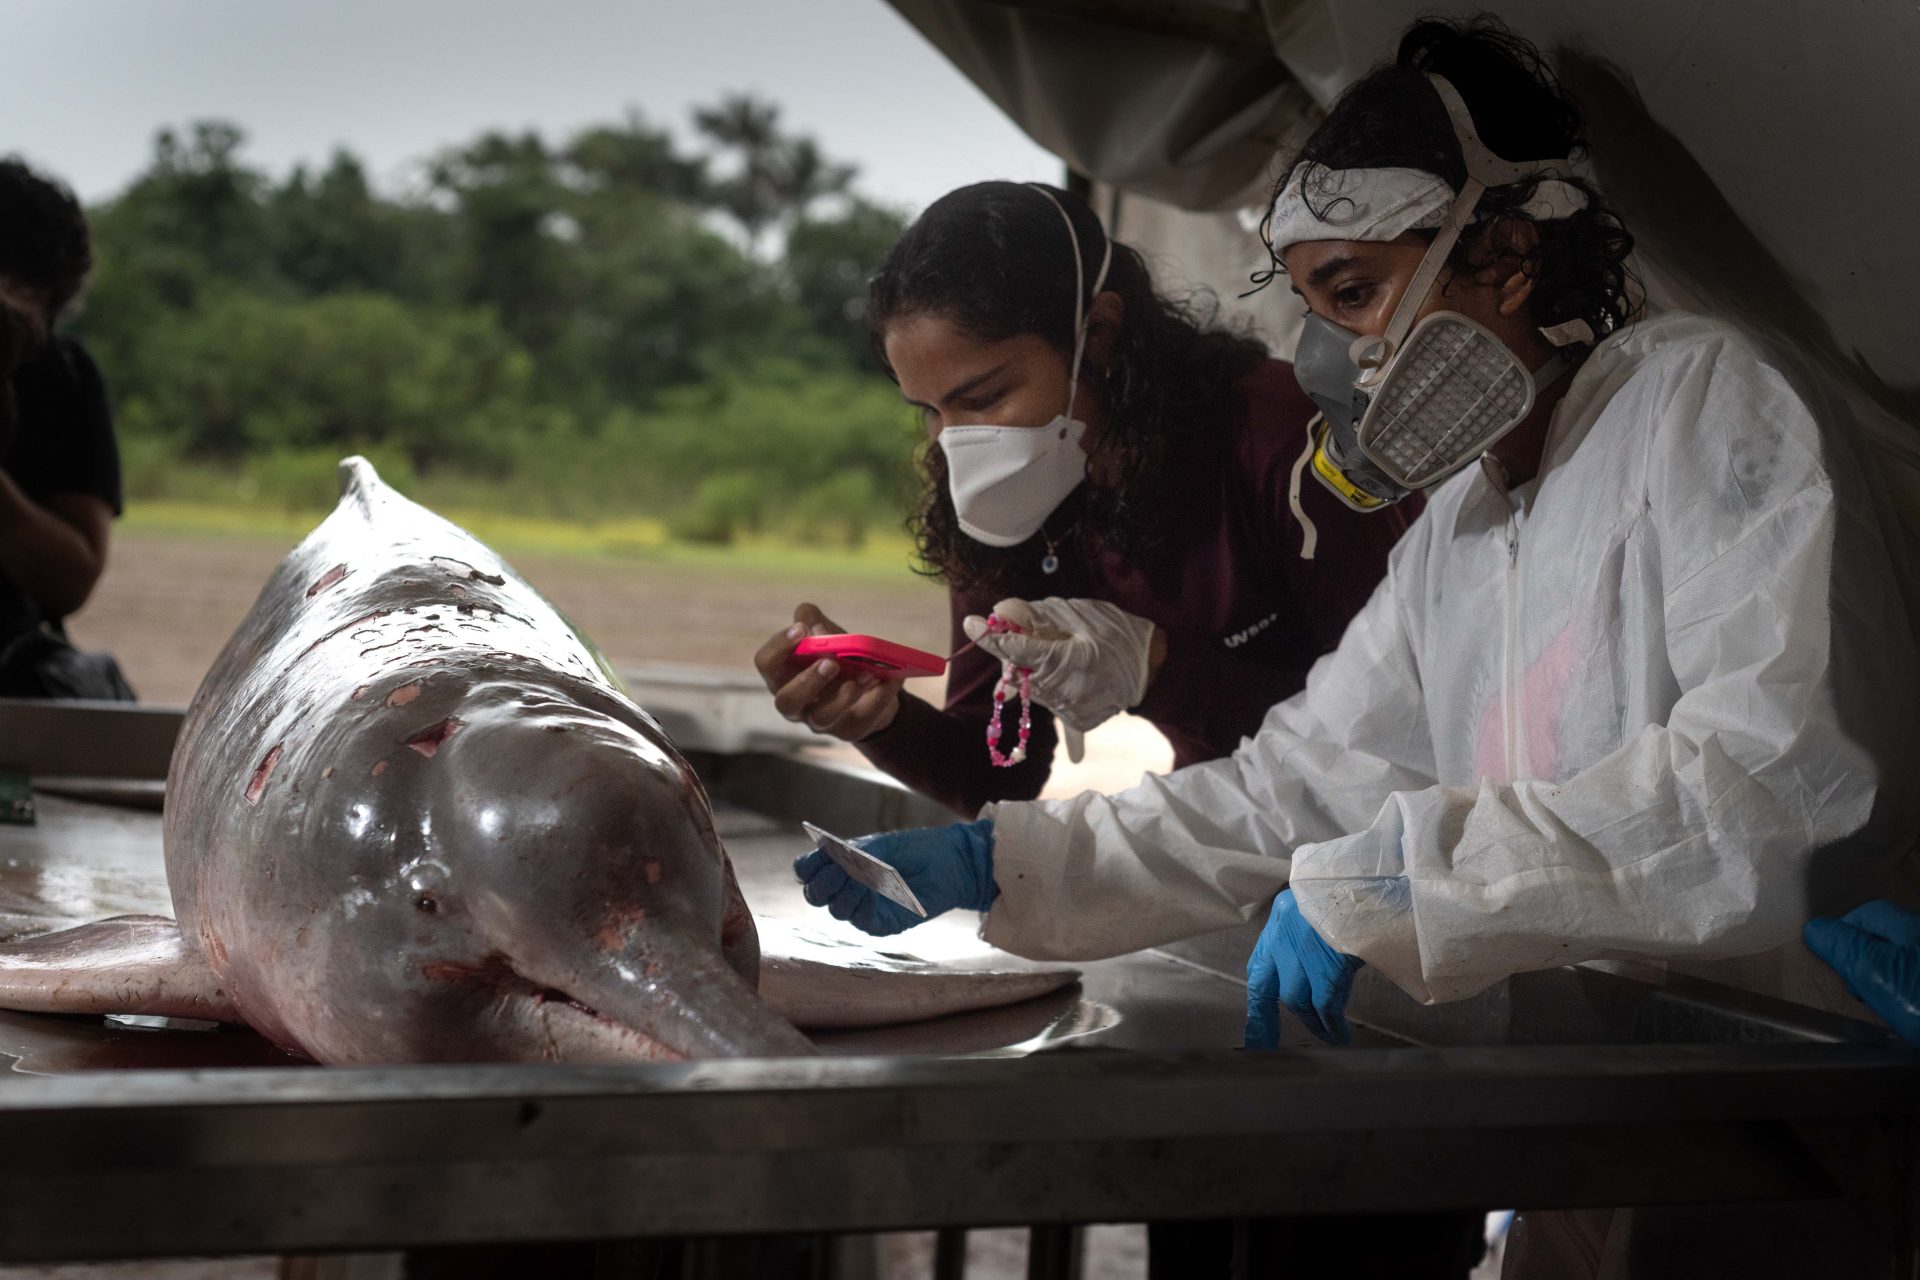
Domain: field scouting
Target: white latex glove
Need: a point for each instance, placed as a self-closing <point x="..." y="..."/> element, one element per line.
<point x="1090" y="659"/>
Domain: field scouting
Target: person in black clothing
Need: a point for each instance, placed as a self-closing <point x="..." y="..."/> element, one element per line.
<point x="59" y="465"/>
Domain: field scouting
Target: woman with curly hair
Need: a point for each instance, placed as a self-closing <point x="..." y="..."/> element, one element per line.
<point x="1120" y="478"/>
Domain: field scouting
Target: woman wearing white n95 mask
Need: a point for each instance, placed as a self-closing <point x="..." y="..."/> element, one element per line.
<point x="1628" y="690"/>
<point x="1104" y="471"/>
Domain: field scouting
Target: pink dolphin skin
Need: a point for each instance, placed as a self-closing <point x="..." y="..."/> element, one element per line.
<point x="411" y="817"/>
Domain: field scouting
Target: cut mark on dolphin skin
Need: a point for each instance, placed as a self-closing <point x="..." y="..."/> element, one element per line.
<point x="653" y="873"/>
<point x="612" y="935"/>
<point x="358" y="693"/>
<point x="404" y="694"/>
<point x="379" y="767"/>
<point x="494" y="970"/>
<point x="428" y="740"/>
<point x="345" y="626"/>
<point x="497" y="972"/>
<point x="211" y="947"/>
<point x="257" y="784"/>
<point x="326" y="580"/>
<point x="461" y="569"/>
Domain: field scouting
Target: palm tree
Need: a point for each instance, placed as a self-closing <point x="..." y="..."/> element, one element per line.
<point x="778" y="177"/>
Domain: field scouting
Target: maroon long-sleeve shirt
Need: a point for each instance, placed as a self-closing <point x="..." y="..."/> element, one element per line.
<point x="1245" y="616"/>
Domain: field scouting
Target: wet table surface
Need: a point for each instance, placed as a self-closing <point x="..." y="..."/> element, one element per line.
<point x="84" y="861"/>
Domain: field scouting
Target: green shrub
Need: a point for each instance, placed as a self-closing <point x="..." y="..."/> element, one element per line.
<point x="723" y="507"/>
<point x="295" y="480"/>
<point x="838" y="512"/>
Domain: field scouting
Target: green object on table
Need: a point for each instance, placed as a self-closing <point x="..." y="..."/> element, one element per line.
<point x="16" y="798"/>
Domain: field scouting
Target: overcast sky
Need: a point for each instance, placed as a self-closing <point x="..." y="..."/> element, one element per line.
<point x="87" y="82"/>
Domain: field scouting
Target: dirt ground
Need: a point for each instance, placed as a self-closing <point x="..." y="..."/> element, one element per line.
<point x="169" y="601"/>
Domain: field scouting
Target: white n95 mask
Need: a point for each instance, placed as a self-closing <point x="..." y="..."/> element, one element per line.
<point x="1006" y="481"/>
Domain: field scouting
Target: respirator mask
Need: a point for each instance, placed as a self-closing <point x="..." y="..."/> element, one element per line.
<point x="1404" y="409"/>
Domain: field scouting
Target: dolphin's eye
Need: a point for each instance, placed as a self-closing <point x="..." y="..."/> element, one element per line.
<point x="426" y="902"/>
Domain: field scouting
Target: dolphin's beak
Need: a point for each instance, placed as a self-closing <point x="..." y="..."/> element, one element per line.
<point x="681" y="995"/>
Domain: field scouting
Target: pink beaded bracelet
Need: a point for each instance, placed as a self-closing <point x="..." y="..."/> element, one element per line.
<point x="1007" y="672"/>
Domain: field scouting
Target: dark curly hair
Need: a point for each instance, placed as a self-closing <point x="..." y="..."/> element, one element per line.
<point x="44" y="241"/>
<point x="1392" y="118"/>
<point x="994" y="260"/>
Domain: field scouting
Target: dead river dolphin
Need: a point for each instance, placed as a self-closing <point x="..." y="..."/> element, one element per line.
<point x="412" y="817"/>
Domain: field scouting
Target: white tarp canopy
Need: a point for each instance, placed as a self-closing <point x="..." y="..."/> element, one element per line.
<point x="1763" y="153"/>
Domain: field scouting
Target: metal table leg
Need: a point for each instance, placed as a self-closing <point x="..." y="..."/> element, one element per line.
<point x="950" y="1254"/>
<point x="1055" y="1252"/>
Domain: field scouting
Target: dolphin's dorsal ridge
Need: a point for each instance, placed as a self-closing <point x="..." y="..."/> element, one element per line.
<point x="357" y="477"/>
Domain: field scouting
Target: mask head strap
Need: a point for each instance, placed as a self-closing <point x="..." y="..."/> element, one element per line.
<point x="1081" y="297"/>
<point x="1484" y="169"/>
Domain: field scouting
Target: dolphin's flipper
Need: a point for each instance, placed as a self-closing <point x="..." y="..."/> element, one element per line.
<point x="129" y="964"/>
<point x="821" y="996"/>
<point x="822" y="981"/>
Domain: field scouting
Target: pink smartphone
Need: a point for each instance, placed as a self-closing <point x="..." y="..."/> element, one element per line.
<point x="871" y="653"/>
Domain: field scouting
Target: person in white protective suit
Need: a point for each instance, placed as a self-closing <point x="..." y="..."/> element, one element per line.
<point x="1639" y="683"/>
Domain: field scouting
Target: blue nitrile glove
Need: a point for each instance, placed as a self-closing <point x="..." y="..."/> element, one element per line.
<point x="1293" y="965"/>
<point x="1876" y="948"/>
<point x="946" y="867"/>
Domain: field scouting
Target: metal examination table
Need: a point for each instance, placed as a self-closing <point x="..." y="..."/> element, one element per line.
<point x="1559" y="1089"/>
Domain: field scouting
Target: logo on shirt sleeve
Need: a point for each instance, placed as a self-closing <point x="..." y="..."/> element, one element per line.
<point x="1245" y="634"/>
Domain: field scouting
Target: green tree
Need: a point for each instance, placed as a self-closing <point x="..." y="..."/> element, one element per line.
<point x="514" y="231"/>
<point x="251" y="375"/>
<point x="195" y="215"/>
<point x="776" y="178"/>
<point x="829" y="262"/>
<point x="662" y="300"/>
<point x="331" y="232"/>
<point x="564" y="327"/>
<point x="613" y="161"/>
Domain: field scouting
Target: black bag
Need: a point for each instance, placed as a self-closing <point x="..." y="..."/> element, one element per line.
<point x="41" y="662"/>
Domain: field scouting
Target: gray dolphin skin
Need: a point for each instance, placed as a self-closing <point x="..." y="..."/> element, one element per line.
<point x="411" y="817"/>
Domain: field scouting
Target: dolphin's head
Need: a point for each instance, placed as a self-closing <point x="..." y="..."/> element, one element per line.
<point x="530" y="873"/>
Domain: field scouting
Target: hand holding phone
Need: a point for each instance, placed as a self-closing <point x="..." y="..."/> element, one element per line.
<point x="851" y="700"/>
<point x="879" y="657"/>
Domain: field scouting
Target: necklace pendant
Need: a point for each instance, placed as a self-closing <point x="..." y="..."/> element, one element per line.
<point x="1049" y="563"/>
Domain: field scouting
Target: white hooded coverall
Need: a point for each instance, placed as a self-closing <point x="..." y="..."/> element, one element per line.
<point x="1609" y="714"/>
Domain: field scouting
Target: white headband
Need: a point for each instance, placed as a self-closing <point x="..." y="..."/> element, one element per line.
<point x="1381" y="204"/>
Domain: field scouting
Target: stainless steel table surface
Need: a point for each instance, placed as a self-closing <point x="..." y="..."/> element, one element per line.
<point x="1149" y="1114"/>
